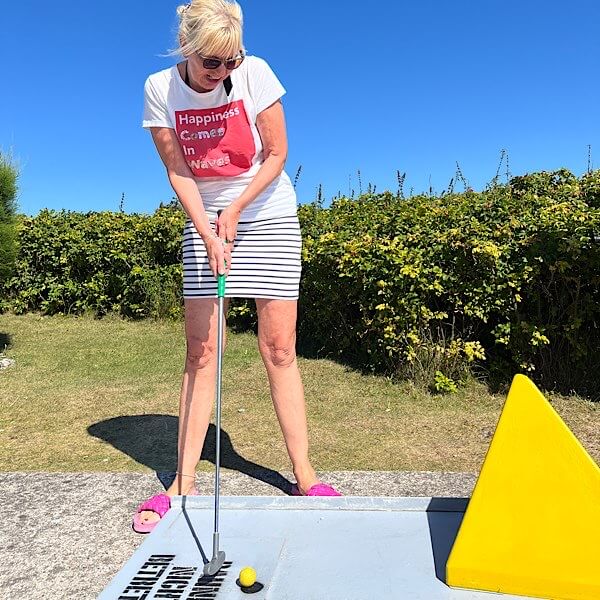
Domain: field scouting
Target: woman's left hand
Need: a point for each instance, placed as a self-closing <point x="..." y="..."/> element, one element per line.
<point x="227" y="223"/>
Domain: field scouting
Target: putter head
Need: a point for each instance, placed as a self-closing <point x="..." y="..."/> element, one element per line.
<point x="213" y="567"/>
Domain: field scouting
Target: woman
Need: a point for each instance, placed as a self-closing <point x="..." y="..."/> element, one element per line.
<point x="217" y="121"/>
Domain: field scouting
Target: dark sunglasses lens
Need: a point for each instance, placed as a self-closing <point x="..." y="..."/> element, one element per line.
<point x="211" y="63"/>
<point x="233" y="64"/>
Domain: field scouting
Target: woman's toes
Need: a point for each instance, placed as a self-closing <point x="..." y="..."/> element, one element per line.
<point x="149" y="516"/>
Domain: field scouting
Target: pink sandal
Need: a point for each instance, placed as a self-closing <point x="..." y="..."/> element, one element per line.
<point x="319" y="489"/>
<point x="160" y="504"/>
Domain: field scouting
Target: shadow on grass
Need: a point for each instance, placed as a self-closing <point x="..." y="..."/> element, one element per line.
<point x="5" y="341"/>
<point x="151" y="440"/>
<point x="554" y="375"/>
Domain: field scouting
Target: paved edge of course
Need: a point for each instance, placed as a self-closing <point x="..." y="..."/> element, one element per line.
<point x="65" y="535"/>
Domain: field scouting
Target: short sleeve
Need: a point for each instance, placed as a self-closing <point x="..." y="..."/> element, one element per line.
<point x="264" y="86"/>
<point x="155" y="107"/>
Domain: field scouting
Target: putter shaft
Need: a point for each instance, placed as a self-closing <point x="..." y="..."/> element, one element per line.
<point x="218" y="423"/>
<point x="218" y="556"/>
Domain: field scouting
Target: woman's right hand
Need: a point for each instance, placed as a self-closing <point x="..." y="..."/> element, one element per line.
<point x="219" y="255"/>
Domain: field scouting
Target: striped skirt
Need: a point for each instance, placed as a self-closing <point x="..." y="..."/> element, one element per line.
<point x="265" y="261"/>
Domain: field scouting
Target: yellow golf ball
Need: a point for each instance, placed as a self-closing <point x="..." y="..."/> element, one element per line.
<point x="247" y="577"/>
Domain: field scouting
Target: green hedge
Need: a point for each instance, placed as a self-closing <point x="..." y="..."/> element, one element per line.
<point x="429" y="288"/>
<point x="8" y="219"/>
<point x="437" y="285"/>
<point x="105" y="262"/>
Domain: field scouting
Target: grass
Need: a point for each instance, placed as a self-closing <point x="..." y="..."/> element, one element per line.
<point x="102" y="395"/>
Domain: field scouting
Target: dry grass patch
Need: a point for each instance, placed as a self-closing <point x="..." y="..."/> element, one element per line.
<point x="102" y="395"/>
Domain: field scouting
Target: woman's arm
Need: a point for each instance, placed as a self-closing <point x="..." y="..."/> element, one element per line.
<point x="181" y="178"/>
<point x="271" y="127"/>
<point x="183" y="184"/>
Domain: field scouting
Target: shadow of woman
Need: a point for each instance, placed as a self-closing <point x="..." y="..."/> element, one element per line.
<point x="151" y="440"/>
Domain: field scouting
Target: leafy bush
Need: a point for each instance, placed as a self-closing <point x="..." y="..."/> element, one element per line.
<point x="101" y="262"/>
<point x="428" y="288"/>
<point x="8" y="219"/>
<point x="509" y="274"/>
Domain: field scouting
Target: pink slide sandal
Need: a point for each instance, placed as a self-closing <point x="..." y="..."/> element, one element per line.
<point x="160" y="504"/>
<point x="319" y="489"/>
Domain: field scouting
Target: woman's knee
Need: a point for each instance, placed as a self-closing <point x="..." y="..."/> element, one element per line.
<point x="200" y="354"/>
<point x="278" y="353"/>
<point x="277" y="331"/>
<point x="201" y="333"/>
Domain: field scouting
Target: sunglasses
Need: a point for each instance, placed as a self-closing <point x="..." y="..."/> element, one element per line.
<point x="211" y="63"/>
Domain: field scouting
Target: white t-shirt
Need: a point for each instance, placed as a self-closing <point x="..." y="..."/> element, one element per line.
<point x="218" y="135"/>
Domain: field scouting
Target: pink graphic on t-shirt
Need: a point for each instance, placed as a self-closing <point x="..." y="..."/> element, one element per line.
<point x="216" y="142"/>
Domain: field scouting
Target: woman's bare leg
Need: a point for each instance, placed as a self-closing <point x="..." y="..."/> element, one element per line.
<point x="197" y="393"/>
<point x="277" y="345"/>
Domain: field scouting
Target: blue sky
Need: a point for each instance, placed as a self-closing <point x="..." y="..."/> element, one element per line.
<point x="377" y="87"/>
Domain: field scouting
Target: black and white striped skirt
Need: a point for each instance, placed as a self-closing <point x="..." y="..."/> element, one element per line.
<point x="265" y="261"/>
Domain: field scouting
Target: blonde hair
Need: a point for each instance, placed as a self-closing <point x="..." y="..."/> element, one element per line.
<point x="211" y="28"/>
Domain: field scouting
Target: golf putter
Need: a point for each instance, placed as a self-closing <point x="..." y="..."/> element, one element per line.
<point x="218" y="556"/>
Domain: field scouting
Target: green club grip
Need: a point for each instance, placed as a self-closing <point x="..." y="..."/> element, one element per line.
<point x="221" y="286"/>
<point x="221" y="278"/>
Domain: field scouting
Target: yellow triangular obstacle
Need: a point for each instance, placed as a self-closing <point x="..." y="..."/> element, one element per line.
<point x="532" y="527"/>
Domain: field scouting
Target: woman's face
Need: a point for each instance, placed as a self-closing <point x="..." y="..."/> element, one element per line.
<point x="207" y="79"/>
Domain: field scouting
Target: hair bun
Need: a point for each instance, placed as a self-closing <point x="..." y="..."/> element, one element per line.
<point x="181" y="9"/>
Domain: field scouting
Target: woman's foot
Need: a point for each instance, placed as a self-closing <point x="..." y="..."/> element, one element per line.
<point x="319" y="489"/>
<point x="308" y="484"/>
<point x="184" y="486"/>
<point x="305" y="478"/>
